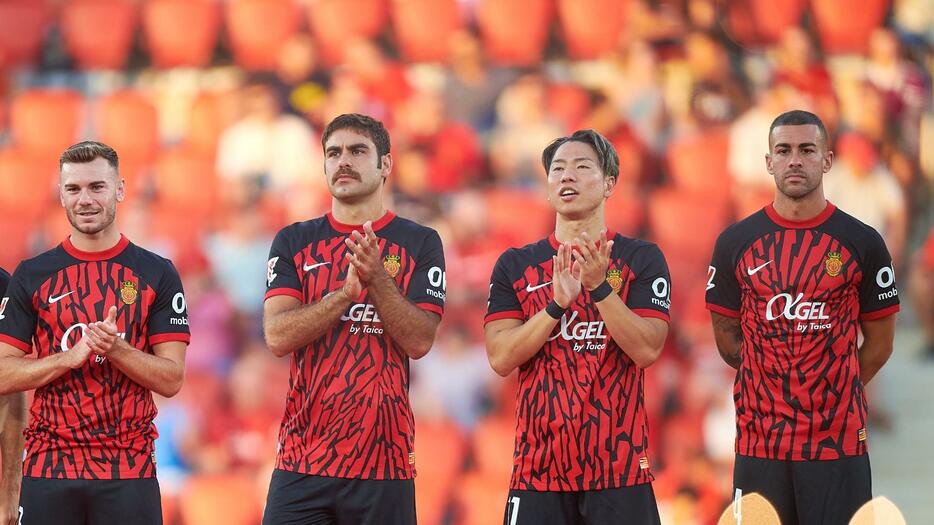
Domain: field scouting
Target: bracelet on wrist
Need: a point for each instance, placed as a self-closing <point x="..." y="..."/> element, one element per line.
<point x="601" y="292"/>
<point x="554" y="310"/>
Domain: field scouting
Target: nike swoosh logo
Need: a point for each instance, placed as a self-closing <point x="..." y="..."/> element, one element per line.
<point x="53" y="300"/>
<point x="308" y="267"/>
<point x="529" y="288"/>
<point x="752" y="271"/>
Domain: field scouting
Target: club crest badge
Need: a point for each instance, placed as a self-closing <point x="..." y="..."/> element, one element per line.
<point x="833" y="264"/>
<point x="392" y="265"/>
<point x="613" y="276"/>
<point x="128" y="292"/>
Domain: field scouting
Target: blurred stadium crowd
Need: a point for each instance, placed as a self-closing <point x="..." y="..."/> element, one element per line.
<point x="215" y="108"/>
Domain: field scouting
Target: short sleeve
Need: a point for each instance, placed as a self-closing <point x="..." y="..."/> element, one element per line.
<point x="650" y="292"/>
<point x="878" y="295"/>
<point x="281" y="274"/>
<point x="168" y="320"/>
<point x="503" y="302"/>
<point x="723" y="291"/>
<point x="17" y="316"/>
<point x="428" y="285"/>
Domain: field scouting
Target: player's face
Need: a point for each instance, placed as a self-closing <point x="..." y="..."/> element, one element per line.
<point x="798" y="159"/>
<point x="576" y="184"/>
<point x="89" y="192"/>
<point x="350" y="165"/>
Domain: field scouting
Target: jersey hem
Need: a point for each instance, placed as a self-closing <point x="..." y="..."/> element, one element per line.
<point x="796" y="455"/>
<point x="279" y="466"/>
<point x="596" y="485"/>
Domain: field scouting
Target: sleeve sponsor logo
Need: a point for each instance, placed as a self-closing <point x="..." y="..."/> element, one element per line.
<point x="3" y="307"/>
<point x="271" y="271"/>
<point x="179" y="306"/>
<point x="711" y="273"/>
<point x="661" y="290"/>
<point x="885" y="278"/>
<point x="438" y="280"/>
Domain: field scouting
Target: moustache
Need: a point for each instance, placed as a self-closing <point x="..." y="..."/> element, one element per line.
<point x="346" y="172"/>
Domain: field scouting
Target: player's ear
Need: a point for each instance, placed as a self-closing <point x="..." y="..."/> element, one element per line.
<point x="768" y="164"/>
<point x="121" y="189"/>
<point x="609" y="183"/>
<point x="385" y="165"/>
<point x="827" y="161"/>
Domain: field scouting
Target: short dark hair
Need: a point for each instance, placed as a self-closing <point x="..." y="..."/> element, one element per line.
<point x="363" y="124"/>
<point x="799" y="117"/>
<point x="606" y="153"/>
<point x="88" y="150"/>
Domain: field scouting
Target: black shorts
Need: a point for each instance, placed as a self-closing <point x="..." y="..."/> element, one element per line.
<point x="300" y="499"/>
<point x="98" y="501"/>
<point x="631" y="505"/>
<point x="808" y="492"/>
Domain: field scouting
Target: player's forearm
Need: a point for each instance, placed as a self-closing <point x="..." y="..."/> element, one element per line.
<point x="12" y="423"/>
<point x="18" y="374"/>
<point x="288" y="331"/>
<point x="510" y="348"/>
<point x="728" y="334"/>
<point x="158" y="374"/>
<point x="640" y="339"/>
<point x="872" y="356"/>
<point x="410" y="327"/>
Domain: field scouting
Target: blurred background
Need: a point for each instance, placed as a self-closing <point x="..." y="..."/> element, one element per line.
<point x="216" y="110"/>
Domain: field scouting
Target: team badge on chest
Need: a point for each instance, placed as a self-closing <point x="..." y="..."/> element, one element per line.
<point x="392" y="265"/>
<point x="833" y="264"/>
<point x="614" y="277"/>
<point x="128" y="292"/>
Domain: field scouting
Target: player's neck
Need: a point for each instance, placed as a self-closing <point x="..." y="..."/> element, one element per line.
<point x="566" y="230"/>
<point x="798" y="210"/>
<point x="358" y="212"/>
<point x="97" y="242"/>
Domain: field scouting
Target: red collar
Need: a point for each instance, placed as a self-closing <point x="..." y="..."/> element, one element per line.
<point x="810" y="223"/>
<point x="347" y="228"/>
<point x="553" y="240"/>
<point x="109" y="253"/>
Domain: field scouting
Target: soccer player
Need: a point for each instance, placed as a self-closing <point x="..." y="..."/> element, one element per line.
<point x="108" y="322"/>
<point x="789" y="289"/>
<point x="580" y="314"/>
<point x="12" y="421"/>
<point x="351" y="296"/>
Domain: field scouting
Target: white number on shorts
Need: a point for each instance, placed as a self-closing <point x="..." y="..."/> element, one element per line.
<point x="19" y="521"/>
<point x="514" y="512"/>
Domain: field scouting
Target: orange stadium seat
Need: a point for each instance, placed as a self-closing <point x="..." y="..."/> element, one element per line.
<point x="210" y="114"/>
<point x="514" y="32"/>
<point x="537" y="215"/>
<point x="99" y="33"/>
<point x="481" y="499"/>
<point x="698" y="163"/>
<point x="493" y="444"/>
<point x="847" y="34"/>
<point x="15" y="245"/>
<point x="22" y="27"/>
<point x="591" y="28"/>
<point x="225" y="499"/>
<point x="336" y="22"/>
<point x="422" y="28"/>
<point x="181" y="33"/>
<point x="46" y="121"/>
<point x="440" y="449"/>
<point x="762" y="22"/>
<point x="258" y="29"/>
<point x="625" y="211"/>
<point x="185" y="180"/>
<point x="128" y="122"/>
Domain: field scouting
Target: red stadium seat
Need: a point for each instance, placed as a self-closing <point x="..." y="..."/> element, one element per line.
<point x="762" y="22"/>
<point x="44" y="121"/>
<point x="514" y="32"/>
<point x="537" y="215"/>
<point x="128" y="122"/>
<point x="625" y="211"/>
<point x="422" y="28"/>
<point x="258" y="29"/>
<point x="224" y="499"/>
<point x="27" y="184"/>
<point x="98" y="33"/>
<point x="493" y="443"/>
<point x="22" y="27"/>
<point x="698" y="163"/>
<point x="16" y="236"/>
<point x="210" y="115"/>
<point x="181" y="33"/>
<point x="849" y="33"/>
<point x="440" y="449"/>
<point x="185" y="180"/>
<point x="334" y="23"/>
<point x="481" y="498"/>
<point x="591" y="28"/>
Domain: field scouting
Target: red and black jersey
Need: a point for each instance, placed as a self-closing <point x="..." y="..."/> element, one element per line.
<point x="93" y="422"/>
<point x="4" y="281"/>
<point x="580" y="406"/>
<point x="347" y="414"/>
<point x="800" y="290"/>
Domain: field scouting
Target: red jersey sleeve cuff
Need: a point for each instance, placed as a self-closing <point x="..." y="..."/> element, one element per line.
<point x="431" y="307"/>
<point x="16" y="343"/>
<point x="283" y="291"/>
<point x="648" y="312"/>
<point x="165" y="338"/>
<point x="508" y="314"/>
<point x="879" y="314"/>
<point x="723" y="311"/>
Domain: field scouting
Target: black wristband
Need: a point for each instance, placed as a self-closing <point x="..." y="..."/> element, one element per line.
<point x="554" y="311"/>
<point x="601" y="292"/>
